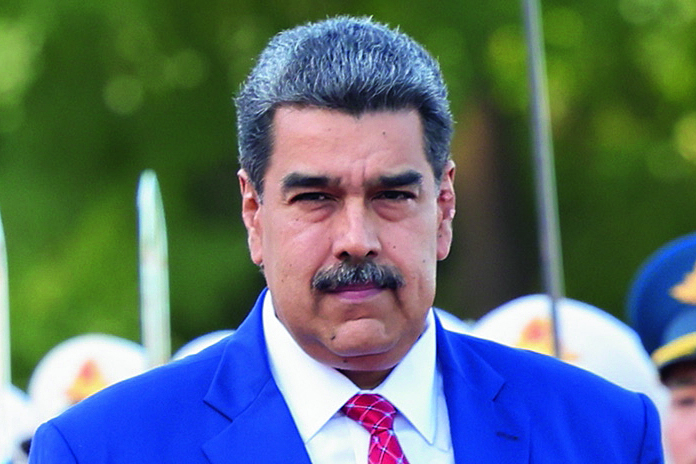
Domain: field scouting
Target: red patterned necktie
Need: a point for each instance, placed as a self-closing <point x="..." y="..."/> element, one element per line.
<point x="376" y="414"/>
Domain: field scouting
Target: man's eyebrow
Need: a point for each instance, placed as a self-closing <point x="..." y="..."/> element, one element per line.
<point x="403" y="179"/>
<point x="298" y="180"/>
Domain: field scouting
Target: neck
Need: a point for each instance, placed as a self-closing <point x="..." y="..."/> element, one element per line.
<point x="366" y="380"/>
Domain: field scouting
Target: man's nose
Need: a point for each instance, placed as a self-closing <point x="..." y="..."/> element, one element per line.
<point x="356" y="234"/>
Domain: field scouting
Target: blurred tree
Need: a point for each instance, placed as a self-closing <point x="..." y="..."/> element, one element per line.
<point x="92" y="93"/>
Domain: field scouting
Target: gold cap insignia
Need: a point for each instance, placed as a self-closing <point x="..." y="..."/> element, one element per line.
<point x="685" y="291"/>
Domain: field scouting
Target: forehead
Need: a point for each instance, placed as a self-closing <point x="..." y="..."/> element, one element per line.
<point x="682" y="375"/>
<point x="329" y="142"/>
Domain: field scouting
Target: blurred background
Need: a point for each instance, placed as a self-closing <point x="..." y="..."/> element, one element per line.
<point x="94" y="92"/>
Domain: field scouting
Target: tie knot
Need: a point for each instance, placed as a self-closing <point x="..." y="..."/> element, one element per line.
<point x="371" y="411"/>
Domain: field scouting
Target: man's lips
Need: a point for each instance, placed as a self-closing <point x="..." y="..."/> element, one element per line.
<point x="356" y="292"/>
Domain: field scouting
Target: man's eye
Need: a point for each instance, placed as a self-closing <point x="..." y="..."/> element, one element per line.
<point x="685" y="401"/>
<point x="310" y="196"/>
<point x="395" y="195"/>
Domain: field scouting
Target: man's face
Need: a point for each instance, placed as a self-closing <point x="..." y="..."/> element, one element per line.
<point x="355" y="191"/>
<point x="680" y="429"/>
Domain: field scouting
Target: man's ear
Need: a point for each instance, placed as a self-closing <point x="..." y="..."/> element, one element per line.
<point x="251" y="211"/>
<point x="446" y="208"/>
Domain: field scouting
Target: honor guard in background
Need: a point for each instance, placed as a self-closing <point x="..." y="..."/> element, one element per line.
<point x="662" y="307"/>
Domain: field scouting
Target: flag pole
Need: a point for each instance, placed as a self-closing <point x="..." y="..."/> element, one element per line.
<point x="154" y="271"/>
<point x="5" y="353"/>
<point x="547" y="207"/>
<point x="5" y="347"/>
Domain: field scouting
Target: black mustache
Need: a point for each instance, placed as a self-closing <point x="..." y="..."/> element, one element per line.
<point x="347" y="273"/>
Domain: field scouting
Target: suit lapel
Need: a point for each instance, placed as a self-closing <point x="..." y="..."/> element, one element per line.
<point x="261" y="428"/>
<point x="263" y="433"/>
<point x="485" y="427"/>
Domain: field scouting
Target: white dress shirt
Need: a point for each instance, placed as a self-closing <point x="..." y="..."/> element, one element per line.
<point x="315" y="394"/>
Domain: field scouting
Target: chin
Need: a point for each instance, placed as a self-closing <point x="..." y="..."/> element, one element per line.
<point x="376" y="359"/>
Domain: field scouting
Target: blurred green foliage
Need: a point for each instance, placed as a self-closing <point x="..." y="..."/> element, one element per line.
<point x="94" y="92"/>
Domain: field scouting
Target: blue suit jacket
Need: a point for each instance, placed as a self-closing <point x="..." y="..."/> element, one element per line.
<point x="223" y="406"/>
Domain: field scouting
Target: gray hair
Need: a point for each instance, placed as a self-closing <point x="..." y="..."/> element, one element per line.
<point x="353" y="65"/>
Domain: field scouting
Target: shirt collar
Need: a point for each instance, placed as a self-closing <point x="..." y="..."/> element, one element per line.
<point x="415" y="396"/>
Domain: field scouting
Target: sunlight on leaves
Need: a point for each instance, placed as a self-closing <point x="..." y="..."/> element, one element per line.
<point x="507" y="58"/>
<point x="20" y="50"/>
<point x="124" y="94"/>
<point x="685" y="137"/>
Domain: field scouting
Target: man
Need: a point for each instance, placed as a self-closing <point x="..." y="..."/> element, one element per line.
<point x="348" y="199"/>
<point x="676" y="361"/>
<point x="662" y="306"/>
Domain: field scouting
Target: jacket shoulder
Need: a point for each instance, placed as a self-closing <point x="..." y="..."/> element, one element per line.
<point x="565" y="402"/>
<point x="141" y="416"/>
